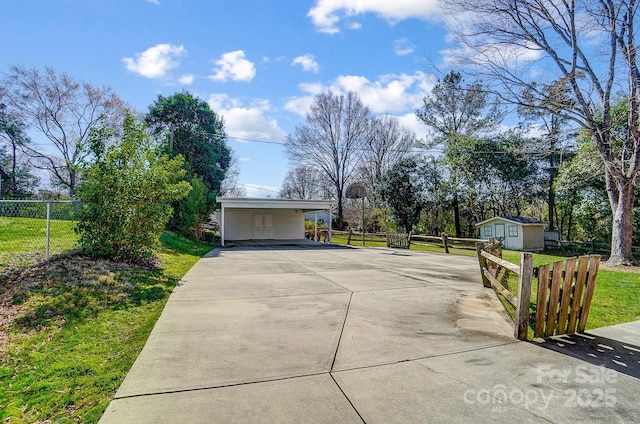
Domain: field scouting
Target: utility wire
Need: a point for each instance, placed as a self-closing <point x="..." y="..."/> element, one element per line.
<point x="412" y="150"/>
<point x="255" y="187"/>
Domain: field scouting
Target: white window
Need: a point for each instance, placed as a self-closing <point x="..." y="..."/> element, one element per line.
<point x="488" y="231"/>
<point x="513" y="231"/>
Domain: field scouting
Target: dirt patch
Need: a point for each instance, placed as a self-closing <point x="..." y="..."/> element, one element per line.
<point x="620" y="268"/>
<point x="101" y="279"/>
<point x="8" y="315"/>
<point x="72" y="268"/>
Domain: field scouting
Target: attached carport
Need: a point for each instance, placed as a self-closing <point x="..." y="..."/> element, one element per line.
<point x="266" y="219"/>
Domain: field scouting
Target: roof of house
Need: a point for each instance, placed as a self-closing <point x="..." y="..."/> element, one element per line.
<point x="515" y="219"/>
<point x="255" y="203"/>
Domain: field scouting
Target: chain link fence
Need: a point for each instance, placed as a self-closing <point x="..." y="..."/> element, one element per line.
<point x="33" y="230"/>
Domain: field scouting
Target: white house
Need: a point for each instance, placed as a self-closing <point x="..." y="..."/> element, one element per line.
<point x="266" y="219"/>
<point x="516" y="232"/>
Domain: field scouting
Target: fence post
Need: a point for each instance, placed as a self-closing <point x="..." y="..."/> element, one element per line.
<point x="364" y="227"/>
<point x="315" y="226"/>
<point x="445" y="242"/>
<point x="388" y="238"/>
<point x="483" y="264"/>
<point x="349" y="237"/>
<point x="524" y="296"/>
<point x="48" y="230"/>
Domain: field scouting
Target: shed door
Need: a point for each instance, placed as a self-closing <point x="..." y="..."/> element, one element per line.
<point x="263" y="226"/>
<point x="500" y="231"/>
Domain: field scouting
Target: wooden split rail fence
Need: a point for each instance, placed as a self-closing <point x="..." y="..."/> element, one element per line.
<point x="446" y="241"/>
<point x="404" y="240"/>
<point x="564" y="292"/>
<point x="490" y="268"/>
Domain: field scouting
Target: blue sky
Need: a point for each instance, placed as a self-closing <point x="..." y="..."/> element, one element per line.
<point x="258" y="63"/>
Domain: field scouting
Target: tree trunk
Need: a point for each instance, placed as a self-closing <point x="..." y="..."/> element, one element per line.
<point x="456" y="214"/>
<point x="553" y="170"/>
<point x="570" y="223"/>
<point x="551" y="200"/>
<point x="14" y="166"/>
<point x="72" y="181"/>
<point x="621" y="192"/>
<point x="339" y="222"/>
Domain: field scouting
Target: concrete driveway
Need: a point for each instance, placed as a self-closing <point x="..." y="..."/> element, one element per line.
<point x="339" y="335"/>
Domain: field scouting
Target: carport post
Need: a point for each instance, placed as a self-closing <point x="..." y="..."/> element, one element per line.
<point x="222" y="227"/>
<point x="315" y="225"/>
<point x="330" y="224"/>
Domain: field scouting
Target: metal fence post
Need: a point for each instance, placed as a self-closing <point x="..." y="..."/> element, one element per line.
<point x="48" y="230"/>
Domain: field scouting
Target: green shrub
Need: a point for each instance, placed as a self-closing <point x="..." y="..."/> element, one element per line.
<point x="192" y="212"/>
<point x="127" y="193"/>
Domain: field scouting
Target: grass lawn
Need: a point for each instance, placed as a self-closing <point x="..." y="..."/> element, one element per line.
<point x="76" y="327"/>
<point x="616" y="299"/>
<point x="23" y="240"/>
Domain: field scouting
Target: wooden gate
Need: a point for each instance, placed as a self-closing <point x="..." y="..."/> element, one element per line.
<point x="400" y="241"/>
<point x="563" y="297"/>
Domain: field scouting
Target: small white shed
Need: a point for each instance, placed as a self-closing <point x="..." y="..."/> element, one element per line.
<point x="516" y="232"/>
<point x="266" y="219"/>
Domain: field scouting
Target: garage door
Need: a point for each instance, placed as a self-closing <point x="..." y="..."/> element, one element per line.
<point x="263" y="226"/>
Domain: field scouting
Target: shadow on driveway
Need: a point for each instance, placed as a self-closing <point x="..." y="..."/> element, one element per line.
<point x="597" y="350"/>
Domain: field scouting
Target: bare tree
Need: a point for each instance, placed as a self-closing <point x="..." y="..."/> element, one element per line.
<point x="331" y="139"/>
<point x="64" y="110"/>
<point x="587" y="47"/>
<point x="302" y="182"/>
<point x="388" y="143"/>
<point x="230" y="187"/>
<point x="12" y="135"/>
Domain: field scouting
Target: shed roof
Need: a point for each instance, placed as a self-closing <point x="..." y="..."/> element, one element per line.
<point x="261" y="203"/>
<point x="524" y="221"/>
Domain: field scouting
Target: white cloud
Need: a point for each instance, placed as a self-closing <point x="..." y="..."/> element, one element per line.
<point x="402" y="47"/>
<point x="391" y="93"/>
<point x="233" y="66"/>
<point x="326" y="14"/>
<point x="410" y="121"/>
<point x="300" y="105"/>
<point x="312" y="87"/>
<point x="307" y="62"/>
<point x="485" y="53"/>
<point x="247" y="122"/>
<point x="277" y="59"/>
<point x="250" y="123"/>
<point x="187" y="79"/>
<point x="155" y="61"/>
<point x="403" y="52"/>
<point x="219" y="101"/>
<point x="475" y="48"/>
<point x="156" y="2"/>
